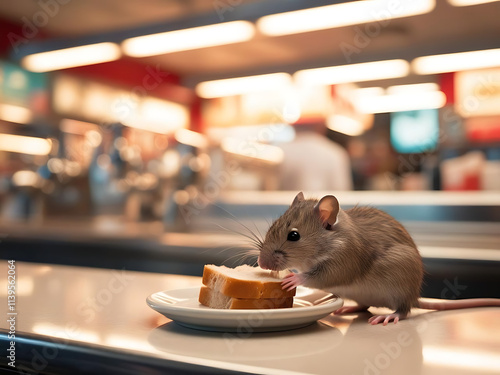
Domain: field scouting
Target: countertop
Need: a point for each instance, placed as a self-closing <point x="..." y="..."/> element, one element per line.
<point x="88" y="320"/>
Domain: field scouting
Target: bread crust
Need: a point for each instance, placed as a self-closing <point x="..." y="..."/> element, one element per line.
<point x="243" y="289"/>
<point x="208" y="296"/>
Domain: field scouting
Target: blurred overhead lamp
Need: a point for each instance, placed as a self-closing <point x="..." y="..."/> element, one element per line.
<point x="454" y="62"/>
<point x="345" y="125"/>
<point x="412" y="88"/>
<point x="14" y="113"/>
<point x="191" y="138"/>
<point x="242" y="85"/>
<point x="269" y="154"/>
<point x="71" y="57"/>
<point x="186" y="39"/>
<point x="399" y="98"/>
<point x="25" y="145"/>
<point x="25" y="178"/>
<point x="463" y="3"/>
<point x="338" y="15"/>
<point x="369" y="71"/>
<point x="158" y="116"/>
<point x="403" y="102"/>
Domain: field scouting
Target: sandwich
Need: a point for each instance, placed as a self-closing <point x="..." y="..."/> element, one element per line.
<point x="243" y="287"/>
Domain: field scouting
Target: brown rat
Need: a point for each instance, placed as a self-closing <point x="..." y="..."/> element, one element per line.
<point x="363" y="254"/>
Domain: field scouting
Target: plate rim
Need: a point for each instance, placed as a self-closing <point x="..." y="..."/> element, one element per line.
<point x="210" y="312"/>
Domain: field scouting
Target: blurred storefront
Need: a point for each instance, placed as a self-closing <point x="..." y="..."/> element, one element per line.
<point x="130" y="138"/>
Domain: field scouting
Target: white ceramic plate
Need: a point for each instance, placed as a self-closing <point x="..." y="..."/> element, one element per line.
<point x="182" y="306"/>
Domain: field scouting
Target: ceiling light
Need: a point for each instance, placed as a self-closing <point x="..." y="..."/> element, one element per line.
<point x="253" y="150"/>
<point x="14" y="113"/>
<point x="72" y="57"/>
<point x="412" y="88"/>
<point x="401" y="99"/>
<point x="462" y="3"/>
<point x="369" y="71"/>
<point x="186" y="39"/>
<point x="191" y="138"/>
<point x="338" y="15"/>
<point x="454" y="62"/>
<point x="344" y="124"/>
<point x="242" y="85"/>
<point x="25" y="178"/>
<point x="71" y="126"/>
<point x="25" y="145"/>
<point x="158" y="116"/>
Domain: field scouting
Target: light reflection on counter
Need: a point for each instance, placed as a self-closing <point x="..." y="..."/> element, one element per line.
<point x="67" y="332"/>
<point x="459" y="358"/>
<point x="78" y="313"/>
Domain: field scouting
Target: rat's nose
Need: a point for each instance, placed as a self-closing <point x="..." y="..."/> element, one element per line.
<point x="266" y="262"/>
<point x="262" y="264"/>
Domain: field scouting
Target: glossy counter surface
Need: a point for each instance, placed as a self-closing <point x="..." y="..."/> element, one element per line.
<point x="87" y="320"/>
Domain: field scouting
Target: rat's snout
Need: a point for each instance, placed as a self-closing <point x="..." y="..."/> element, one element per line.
<point x="272" y="260"/>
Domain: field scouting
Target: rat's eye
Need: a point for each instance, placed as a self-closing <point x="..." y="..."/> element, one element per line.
<point x="293" y="235"/>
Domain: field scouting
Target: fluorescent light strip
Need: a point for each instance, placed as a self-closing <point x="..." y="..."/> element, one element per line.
<point x="399" y="98"/>
<point x="71" y="126"/>
<point x="412" y="88"/>
<point x="338" y="15"/>
<point x="242" y="85"/>
<point x="25" y="145"/>
<point x="402" y="102"/>
<point x="14" y="113"/>
<point x="454" y="62"/>
<point x="191" y="138"/>
<point x="345" y="125"/>
<point x="463" y="3"/>
<point x="158" y="116"/>
<point x="253" y="150"/>
<point x="369" y="71"/>
<point x="72" y="57"/>
<point x="186" y="39"/>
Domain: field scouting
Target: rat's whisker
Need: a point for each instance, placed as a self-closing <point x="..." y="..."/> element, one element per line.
<point x="239" y="257"/>
<point x="234" y="218"/>
<point x="255" y="241"/>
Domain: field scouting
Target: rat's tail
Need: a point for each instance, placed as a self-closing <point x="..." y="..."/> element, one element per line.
<point x="443" y="304"/>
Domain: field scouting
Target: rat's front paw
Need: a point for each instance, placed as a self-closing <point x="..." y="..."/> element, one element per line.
<point x="292" y="280"/>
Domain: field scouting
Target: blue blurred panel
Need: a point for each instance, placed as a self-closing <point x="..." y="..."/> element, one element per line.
<point x="415" y="131"/>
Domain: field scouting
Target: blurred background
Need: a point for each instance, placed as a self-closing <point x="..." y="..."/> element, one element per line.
<point x="129" y="126"/>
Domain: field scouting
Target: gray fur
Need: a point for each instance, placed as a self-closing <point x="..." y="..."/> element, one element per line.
<point x="366" y="256"/>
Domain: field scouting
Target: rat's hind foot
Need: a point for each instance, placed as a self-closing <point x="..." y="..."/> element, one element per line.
<point x="292" y="280"/>
<point x="350" y="309"/>
<point x="396" y="317"/>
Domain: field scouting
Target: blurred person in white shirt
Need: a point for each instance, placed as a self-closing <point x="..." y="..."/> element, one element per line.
<point x="313" y="162"/>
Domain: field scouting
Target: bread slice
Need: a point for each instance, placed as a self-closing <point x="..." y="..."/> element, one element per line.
<point x="244" y="282"/>
<point x="217" y="300"/>
<point x="243" y="287"/>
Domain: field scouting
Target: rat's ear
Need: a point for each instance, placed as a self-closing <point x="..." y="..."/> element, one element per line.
<point x="327" y="209"/>
<point x="298" y="198"/>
